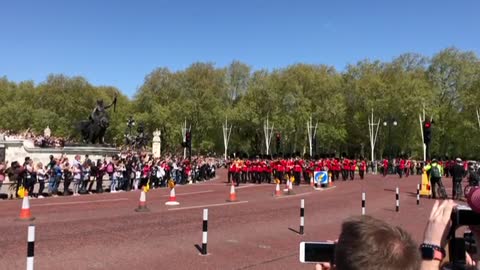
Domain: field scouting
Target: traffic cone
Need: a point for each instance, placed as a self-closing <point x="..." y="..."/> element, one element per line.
<point x="277" y="193"/>
<point x="290" y="188"/>
<point x="312" y="183"/>
<point x="172" y="200"/>
<point x="25" y="214"/>
<point x="330" y="183"/>
<point x="233" y="195"/>
<point x="142" y="204"/>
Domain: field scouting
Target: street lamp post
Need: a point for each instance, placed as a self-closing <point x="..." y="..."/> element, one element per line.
<point x="390" y="121"/>
<point x="373" y="132"/>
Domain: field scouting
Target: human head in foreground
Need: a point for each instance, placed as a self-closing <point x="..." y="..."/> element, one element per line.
<point x="369" y="243"/>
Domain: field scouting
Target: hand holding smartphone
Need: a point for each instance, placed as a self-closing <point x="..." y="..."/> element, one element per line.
<point x="317" y="252"/>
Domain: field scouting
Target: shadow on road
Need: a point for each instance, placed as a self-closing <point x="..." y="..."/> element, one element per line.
<point x="293" y="230"/>
<point x="199" y="248"/>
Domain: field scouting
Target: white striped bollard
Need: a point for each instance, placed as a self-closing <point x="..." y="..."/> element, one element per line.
<point x="302" y="216"/>
<point x="204" y="231"/>
<point x="363" y="203"/>
<point x="397" y="208"/>
<point x="418" y="194"/>
<point x="30" y="246"/>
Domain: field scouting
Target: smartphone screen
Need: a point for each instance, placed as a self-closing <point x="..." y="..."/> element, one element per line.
<point x="312" y="252"/>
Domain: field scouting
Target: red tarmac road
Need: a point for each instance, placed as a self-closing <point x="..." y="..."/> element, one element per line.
<point x="104" y="232"/>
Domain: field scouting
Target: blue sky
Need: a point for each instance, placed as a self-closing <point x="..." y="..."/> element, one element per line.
<point x="119" y="42"/>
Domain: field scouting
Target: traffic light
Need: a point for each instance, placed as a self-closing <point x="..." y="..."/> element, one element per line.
<point x="279" y="140"/>
<point x="188" y="139"/>
<point x="427" y="132"/>
<point x="187" y="142"/>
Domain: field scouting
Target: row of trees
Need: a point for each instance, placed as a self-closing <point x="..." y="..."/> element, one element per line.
<point x="447" y="84"/>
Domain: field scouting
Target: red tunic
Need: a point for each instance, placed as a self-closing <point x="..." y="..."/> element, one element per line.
<point x="363" y="165"/>
<point x="346" y="164"/>
<point x="353" y="165"/>
<point x="402" y="164"/>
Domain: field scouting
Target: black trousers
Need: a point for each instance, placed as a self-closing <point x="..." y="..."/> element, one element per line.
<point x="280" y="177"/>
<point x="155" y="181"/>
<point x="457" y="189"/>
<point x="66" y="185"/>
<point x="236" y="178"/>
<point x="344" y="174"/>
<point x="259" y="177"/>
<point x="229" y="176"/>
<point x="90" y="185"/>
<point x="352" y="175"/>
<point x="41" y="187"/>
<point x="434" y="182"/>
<point x="268" y="177"/>
<point x="29" y="185"/>
<point x="99" y="183"/>
<point x="361" y="173"/>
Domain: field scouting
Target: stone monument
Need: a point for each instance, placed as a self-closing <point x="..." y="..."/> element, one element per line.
<point x="47" y="132"/>
<point x="157" y="144"/>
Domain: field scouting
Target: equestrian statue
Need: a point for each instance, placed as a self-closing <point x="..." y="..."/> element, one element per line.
<point x="94" y="128"/>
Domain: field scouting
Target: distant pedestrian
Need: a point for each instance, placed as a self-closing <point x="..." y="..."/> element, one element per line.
<point x="434" y="170"/>
<point x="41" y="176"/>
<point x="401" y="167"/>
<point x="458" y="172"/>
<point x="3" y="168"/>
<point x="362" y="168"/>
<point x="385" y="167"/>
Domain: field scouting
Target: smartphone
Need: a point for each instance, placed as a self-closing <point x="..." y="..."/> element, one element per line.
<point x="315" y="252"/>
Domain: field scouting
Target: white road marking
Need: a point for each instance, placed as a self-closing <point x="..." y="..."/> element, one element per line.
<point x="82" y="202"/>
<point x="206" y="205"/>
<point x="189" y="193"/>
<point x="247" y="186"/>
<point x="292" y="196"/>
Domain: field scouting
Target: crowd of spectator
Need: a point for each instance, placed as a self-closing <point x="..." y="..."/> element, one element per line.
<point x="128" y="171"/>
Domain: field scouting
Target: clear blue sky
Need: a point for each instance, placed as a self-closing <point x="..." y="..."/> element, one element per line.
<point x="119" y="42"/>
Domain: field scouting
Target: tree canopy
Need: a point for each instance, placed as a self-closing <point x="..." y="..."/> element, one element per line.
<point x="204" y="95"/>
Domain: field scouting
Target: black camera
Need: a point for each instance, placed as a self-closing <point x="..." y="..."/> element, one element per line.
<point x="457" y="246"/>
<point x="464" y="216"/>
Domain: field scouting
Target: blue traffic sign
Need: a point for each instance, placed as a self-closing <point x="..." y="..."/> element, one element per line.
<point x="321" y="177"/>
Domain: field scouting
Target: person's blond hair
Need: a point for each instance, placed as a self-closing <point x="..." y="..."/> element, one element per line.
<point x="369" y="243"/>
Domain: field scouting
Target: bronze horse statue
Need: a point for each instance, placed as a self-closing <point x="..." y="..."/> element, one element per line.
<point x="94" y="129"/>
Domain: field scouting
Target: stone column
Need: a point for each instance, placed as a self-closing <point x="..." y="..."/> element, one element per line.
<point x="157" y="144"/>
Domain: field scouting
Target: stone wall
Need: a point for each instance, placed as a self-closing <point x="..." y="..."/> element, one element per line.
<point x="17" y="150"/>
